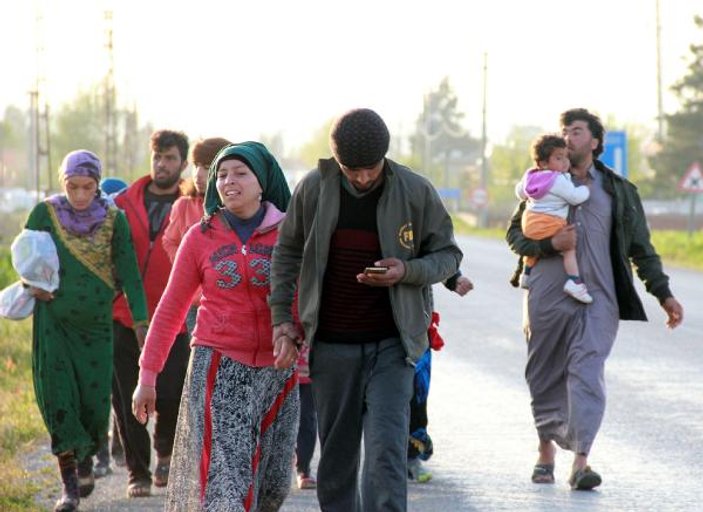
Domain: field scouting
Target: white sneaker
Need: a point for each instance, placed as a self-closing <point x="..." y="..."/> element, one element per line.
<point x="417" y="472"/>
<point x="524" y="281"/>
<point x="577" y="291"/>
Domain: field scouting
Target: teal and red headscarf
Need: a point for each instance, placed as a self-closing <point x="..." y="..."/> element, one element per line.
<point x="263" y="165"/>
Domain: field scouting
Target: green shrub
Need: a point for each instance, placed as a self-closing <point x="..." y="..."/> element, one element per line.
<point x="21" y="421"/>
<point x="680" y="249"/>
<point x="7" y="273"/>
<point x="21" y="425"/>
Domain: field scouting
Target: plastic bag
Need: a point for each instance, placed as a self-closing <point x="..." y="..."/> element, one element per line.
<point x="35" y="259"/>
<point x="15" y="302"/>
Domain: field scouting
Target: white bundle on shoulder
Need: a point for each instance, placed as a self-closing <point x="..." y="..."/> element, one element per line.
<point x="35" y="259"/>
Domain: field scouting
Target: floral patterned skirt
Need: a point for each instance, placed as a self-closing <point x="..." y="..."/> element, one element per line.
<point x="236" y="435"/>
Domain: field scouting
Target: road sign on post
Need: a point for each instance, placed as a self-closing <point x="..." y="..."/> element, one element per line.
<point x="479" y="197"/>
<point x="615" y="152"/>
<point x="692" y="181"/>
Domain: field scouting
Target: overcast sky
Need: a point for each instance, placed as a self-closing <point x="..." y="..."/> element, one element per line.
<point x="220" y="68"/>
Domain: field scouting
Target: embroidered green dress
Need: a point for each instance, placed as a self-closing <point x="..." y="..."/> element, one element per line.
<point x="72" y="335"/>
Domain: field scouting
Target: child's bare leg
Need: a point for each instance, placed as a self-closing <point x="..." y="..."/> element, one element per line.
<point x="574" y="286"/>
<point x="570" y="264"/>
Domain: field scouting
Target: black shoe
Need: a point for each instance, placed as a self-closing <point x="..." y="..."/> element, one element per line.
<point x="67" y="503"/>
<point x="102" y="469"/>
<point x="70" y="496"/>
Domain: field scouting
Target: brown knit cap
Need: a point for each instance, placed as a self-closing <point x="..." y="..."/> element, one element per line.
<point x="359" y="138"/>
<point x="205" y="150"/>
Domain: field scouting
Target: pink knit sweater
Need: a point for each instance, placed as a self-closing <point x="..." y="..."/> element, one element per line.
<point x="185" y="212"/>
<point x="234" y="317"/>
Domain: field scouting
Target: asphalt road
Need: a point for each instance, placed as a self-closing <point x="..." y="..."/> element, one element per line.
<point x="649" y="448"/>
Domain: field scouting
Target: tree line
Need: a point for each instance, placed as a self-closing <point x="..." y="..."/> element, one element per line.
<point x="439" y="144"/>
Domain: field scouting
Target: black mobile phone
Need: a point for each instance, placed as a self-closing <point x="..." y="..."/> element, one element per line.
<point x="375" y="270"/>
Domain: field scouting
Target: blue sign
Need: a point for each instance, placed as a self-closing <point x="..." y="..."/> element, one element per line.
<point x="449" y="193"/>
<point x="615" y="152"/>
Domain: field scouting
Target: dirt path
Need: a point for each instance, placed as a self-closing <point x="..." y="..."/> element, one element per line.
<point x="110" y="492"/>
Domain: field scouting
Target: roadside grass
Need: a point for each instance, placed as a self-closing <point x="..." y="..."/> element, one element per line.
<point x="463" y="226"/>
<point x="21" y="425"/>
<point x="676" y="248"/>
<point x="679" y="249"/>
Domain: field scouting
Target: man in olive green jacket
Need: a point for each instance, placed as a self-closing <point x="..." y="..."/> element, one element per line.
<point x="365" y="328"/>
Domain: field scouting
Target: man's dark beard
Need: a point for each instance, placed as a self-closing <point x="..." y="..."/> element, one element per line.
<point x="165" y="185"/>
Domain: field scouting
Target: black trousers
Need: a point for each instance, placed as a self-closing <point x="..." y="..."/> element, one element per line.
<point x="361" y="393"/>
<point x="307" y="432"/>
<point x="169" y="385"/>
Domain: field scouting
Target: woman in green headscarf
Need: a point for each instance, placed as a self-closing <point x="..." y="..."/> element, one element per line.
<point x="239" y="412"/>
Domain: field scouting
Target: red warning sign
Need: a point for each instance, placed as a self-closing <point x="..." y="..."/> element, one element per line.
<point x="692" y="181"/>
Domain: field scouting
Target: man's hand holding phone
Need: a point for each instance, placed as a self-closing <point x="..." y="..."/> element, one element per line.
<point x="385" y="272"/>
<point x="375" y="270"/>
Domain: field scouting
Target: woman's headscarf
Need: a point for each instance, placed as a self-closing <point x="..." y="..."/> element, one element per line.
<point x="263" y="165"/>
<point x="84" y="222"/>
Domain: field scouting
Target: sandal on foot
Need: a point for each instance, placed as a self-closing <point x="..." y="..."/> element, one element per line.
<point x="161" y="474"/>
<point x="584" y="479"/>
<point x="139" y="490"/>
<point x="305" y="481"/>
<point x="543" y="474"/>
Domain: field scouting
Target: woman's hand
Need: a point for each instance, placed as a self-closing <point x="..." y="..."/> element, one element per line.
<point x="143" y="402"/>
<point x="40" y="294"/>
<point x="286" y="339"/>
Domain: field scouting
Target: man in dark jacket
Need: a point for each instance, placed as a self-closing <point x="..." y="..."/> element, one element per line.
<point x="568" y="342"/>
<point x="363" y="240"/>
<point x="147" y="204"/>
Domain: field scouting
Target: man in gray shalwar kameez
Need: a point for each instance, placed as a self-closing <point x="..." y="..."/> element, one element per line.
<point x="568" y="342"/>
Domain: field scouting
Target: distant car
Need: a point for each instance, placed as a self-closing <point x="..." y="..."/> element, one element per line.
<point x="18" y="199"/>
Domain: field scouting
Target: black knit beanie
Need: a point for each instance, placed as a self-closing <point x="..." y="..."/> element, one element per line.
<point x="359" y="138"/>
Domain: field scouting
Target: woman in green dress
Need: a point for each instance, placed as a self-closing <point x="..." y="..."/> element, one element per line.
<point x="72" y="329"/>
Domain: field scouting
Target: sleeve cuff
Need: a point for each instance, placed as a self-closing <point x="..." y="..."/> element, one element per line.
<point x="546" y="247"/>
<point x="450" y="284"/>
<point x="147" y="377"/>
<point x="662" y="294"/>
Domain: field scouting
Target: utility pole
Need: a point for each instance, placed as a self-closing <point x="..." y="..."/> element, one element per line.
<point x="33" y="181"/>
<point x="38" y="119"/>
<point x="109" y="93"/>
<point x="660" y="107"/>
<point x="483" y="218"/>
<point x="45" y="146"/>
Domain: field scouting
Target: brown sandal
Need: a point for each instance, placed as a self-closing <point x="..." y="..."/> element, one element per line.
<point x="543" y="474"/>
<point x="584" y="479"/>
<point x="139" y="489"/>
